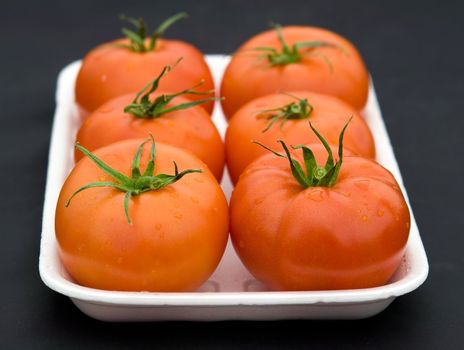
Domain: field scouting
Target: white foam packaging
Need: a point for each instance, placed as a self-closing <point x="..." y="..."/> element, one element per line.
<point x="231" y="293"/>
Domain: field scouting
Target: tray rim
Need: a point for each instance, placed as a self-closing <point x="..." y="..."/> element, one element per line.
<point x="411" y="281"/>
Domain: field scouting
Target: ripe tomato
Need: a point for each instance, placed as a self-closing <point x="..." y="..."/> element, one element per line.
<point x="122" y="66"/>
<point x="348" y="233"/>
<point x="321" y="61"/>
<point x="190" y="128"/>
<point x="328" y="114"/>
<point x="177" y="233"/>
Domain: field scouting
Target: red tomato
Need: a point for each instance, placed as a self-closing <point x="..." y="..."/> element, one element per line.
<point x="177" y="233"/>
<point x="191" y="129"/>
<point x="117" y="68"/>
<point x="328" y="115"/>
<point x="349" y="234"/>
<point x="324" y="62"/>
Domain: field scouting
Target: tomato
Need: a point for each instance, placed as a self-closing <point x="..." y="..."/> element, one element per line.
<point x="172" y="236"/>
<point x="117" y="68"/>
<point x="190" y="128"/>
<point x="321" y="61"/>
<point x="328" y="114"/>
<point x="349" y="232"/>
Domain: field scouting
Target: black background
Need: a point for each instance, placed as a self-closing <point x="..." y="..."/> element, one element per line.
<point x="414" y="51"/>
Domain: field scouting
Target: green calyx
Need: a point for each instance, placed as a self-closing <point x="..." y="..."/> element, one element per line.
<point x="294" y="53"/>
<point x="137" y="37"/>
<point x="143" y="107"/>
<point x="301" y="109"/>
<point x="314" y="175"/>
<point x="137" y="183"/>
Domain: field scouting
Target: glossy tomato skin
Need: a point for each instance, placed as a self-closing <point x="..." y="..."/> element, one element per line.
<point x="190" y="129"/>
<point x="329" y="116"/>
<point x="177" y="236"/>
<point x="247" y="77"/>
<point x="352" y="235"/>
<point x="109" y="71"/>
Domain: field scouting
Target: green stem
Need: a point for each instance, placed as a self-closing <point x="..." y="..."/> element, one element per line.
<point x="294" y="53"/>
<point x="315" y="175"/>
<point x="301" y="109"/>
<point x="143" y="107"/>
<point x="137" y="37"/>
<point x="137" y="183"/>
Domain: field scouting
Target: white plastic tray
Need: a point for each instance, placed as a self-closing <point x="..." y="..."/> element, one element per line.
<point x="231" y="292"/>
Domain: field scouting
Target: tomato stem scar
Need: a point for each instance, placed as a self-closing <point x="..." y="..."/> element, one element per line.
<point x="291" y="111"/>
<point x="294" y="53"/>
<point x="137" y="37"/>
<point x="316" y="175"/>
<point x="143" y="107"/>
<point x="137" y="183"/>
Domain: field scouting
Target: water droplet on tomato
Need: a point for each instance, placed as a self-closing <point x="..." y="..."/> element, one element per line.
<point x="120" y="260"/>
<point x="316" y="195"/>
<point x="408" y="224"/>
<point x="346" y="194"/>
<point x="158" y="226"/>
<point x="104" y="78"/>
<point x="194" y="199"/>
<point x="199" y="179"/>
<point x="176" y="205"/>
<point x="178" y="215"/>
<point x="380" y="212"/>
<point x="258" y="200"/>
<point x="362" y="184"/>
<point x="364" y="218"/>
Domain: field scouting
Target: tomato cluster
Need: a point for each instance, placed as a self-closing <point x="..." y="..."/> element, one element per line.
<point x="140" y="215"/>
